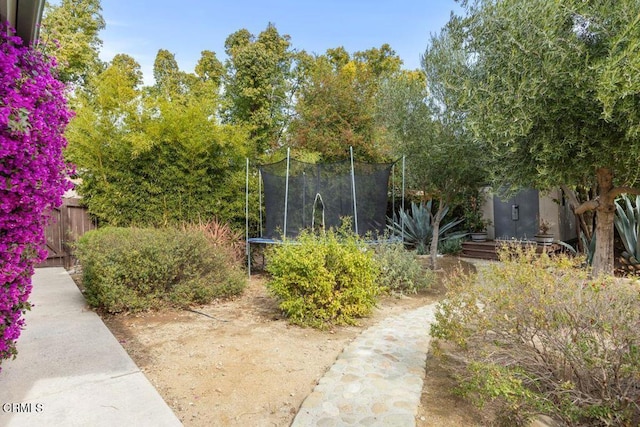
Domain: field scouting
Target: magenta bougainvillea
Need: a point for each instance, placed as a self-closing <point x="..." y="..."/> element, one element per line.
<point x="33" y="174"/>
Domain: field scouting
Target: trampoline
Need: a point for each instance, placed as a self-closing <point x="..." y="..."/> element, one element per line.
<point x="300" y="195"/>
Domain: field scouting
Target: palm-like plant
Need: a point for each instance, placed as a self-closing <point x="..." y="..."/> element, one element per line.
<point x="627" y="221"/>
<point x="589" y="247"/>
<point x="416" y="228"/>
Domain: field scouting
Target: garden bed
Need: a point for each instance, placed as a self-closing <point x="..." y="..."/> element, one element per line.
<point x="239" y="362"/>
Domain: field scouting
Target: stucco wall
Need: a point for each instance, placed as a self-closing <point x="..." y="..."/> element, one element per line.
<point x="550" y="210"/>
<point x="487" y="210"/>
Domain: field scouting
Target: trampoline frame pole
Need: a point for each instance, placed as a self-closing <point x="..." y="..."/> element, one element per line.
<point x="260" y="198"/>
<point x="286" y="196"/>
<point x="353" y="186"/>
<point x="393" y="197"/>
<point x="304" y="200"/>
<point x="246" y="220"/>
<point x="403" y="188"/>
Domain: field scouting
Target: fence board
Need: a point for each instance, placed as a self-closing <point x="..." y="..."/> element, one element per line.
<point x="69" y="222"/>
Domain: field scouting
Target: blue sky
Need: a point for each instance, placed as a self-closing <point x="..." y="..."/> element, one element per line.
<point x="140" y="28"/>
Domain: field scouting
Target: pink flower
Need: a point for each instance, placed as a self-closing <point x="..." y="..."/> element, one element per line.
<point x="33" y="173"/>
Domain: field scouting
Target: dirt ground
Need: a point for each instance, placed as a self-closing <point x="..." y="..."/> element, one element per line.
<point x="239" y="362"/>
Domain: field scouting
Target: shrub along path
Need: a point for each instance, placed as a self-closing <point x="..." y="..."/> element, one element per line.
<point x="377" y="380"/>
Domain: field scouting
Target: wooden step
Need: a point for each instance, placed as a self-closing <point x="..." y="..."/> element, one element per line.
<point x="481" y="250"/>
<point x="489" y="249"/>
<point x="480" y="254"/>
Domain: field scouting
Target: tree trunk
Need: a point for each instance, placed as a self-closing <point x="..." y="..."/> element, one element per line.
<point x="435" y="221"/>
<point x="605" y="213"/>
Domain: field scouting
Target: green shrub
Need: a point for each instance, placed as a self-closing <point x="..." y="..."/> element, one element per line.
<point x="134" y="269"/>
<point x="535" y="334"/>
<point x="321" y="280"/>
<point x="450" y="246"/>
<point x="220" y="234"/>
<point x="400" y="271"/>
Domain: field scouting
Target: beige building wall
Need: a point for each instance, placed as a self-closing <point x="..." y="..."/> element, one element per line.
<point x="549" y="210"/>
<point x="487" y="210"/>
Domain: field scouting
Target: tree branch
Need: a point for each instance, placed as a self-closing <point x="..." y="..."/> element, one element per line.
<point x="574" y="203"/>
<point x="589" y="205"/>
<point x="571" y="196"/>
<point x="615" y="192"/>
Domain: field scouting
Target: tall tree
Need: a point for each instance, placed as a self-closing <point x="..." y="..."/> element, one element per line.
<point x="74" y="26"/>
<point x="155" y="156"/>
<point x="445" y="163"/>
<point x="97" y="132"/>
<point x="336" y="103"/>
<point x="381" y="62"/>
<point x="258" y="84"/>
<point x="165" y="69"/>
<point x="209" y="68"/>
<point x="547" y="85"/>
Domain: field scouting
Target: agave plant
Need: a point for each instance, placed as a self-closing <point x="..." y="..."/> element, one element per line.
<point x="589" y="247"/>
<point x="416" y="227"/>
<point x="627" y="222"/>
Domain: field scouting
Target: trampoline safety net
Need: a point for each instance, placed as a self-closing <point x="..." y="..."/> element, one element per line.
<point x="323" y="193"/>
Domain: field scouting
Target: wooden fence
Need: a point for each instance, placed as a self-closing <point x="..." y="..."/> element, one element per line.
<point x="70" y="221"/>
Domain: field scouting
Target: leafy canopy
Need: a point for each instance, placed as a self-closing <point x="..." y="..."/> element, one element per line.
<point x="336" y="103"/>
<point x="547" y="87"/>
<point x="540" y="83"/>
<point x="74" y="26"/>
<point x="157" y="156"/>
<point x="258" y="85"/>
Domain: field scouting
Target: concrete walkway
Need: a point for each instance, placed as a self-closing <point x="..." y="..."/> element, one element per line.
<point x="378" y="378"/>
<point x="70" y="370"/>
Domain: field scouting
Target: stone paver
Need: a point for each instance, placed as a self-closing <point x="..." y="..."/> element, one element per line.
<point x="377" y="380"/>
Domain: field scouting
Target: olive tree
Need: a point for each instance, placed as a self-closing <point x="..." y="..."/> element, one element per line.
<point x="552" y="89"/>
<point x="444" y="162"/>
